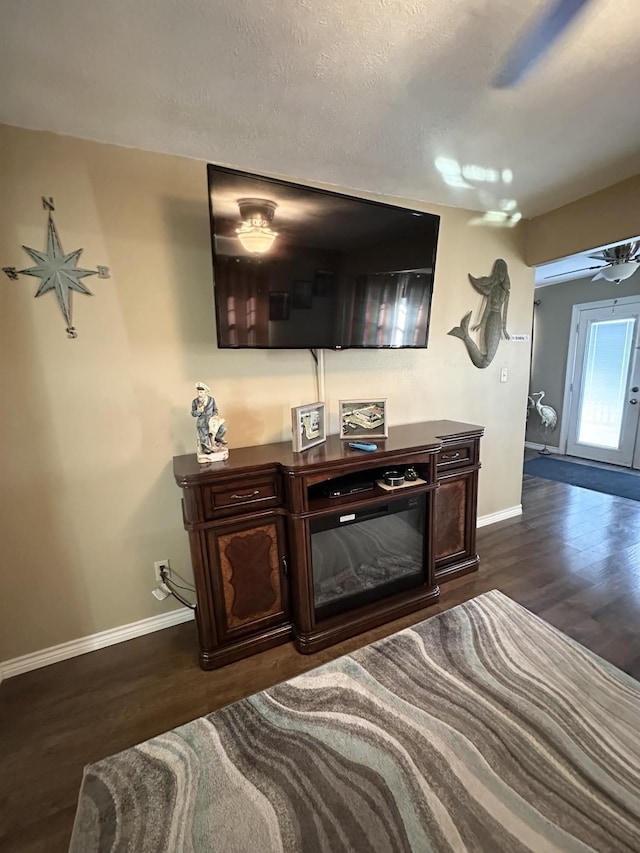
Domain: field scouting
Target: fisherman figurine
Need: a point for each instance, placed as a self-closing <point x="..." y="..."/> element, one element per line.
<point x="211" y="444"/>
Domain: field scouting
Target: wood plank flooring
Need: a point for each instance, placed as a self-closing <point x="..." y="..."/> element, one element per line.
<point x="573" y="558"/>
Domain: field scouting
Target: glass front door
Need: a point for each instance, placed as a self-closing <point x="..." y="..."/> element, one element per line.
<point x="605" y="402"/>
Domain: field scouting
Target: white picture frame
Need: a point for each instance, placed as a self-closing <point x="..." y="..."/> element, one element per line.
<point x="365" y="419"/>
<point x="308" y="426"/>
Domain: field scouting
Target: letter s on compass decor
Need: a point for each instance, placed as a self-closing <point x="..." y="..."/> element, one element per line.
<point x="56" y="270"/>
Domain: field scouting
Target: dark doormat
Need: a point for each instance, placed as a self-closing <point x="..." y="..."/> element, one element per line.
<point x="589" y="477"/>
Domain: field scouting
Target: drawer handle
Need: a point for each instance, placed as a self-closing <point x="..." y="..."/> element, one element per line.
<point x="285" y="567"/>
<point x="244" y="497"/>
<point x="449" y="457"/>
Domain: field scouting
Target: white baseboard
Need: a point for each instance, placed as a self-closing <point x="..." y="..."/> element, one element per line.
<point x="501" y="515"/>
<point x="73" y="648"/>
<point x="531" y="445"/>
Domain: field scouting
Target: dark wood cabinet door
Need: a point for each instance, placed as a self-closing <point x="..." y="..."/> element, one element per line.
<point x="250" y="585"/>
<point x="455" y="525"/>
<point x="451" y="509"/>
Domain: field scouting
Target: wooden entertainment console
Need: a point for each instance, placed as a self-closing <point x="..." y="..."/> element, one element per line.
<point x="249" y="521"/>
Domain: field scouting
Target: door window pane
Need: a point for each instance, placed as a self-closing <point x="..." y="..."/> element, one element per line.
<point x="604" y="385"/>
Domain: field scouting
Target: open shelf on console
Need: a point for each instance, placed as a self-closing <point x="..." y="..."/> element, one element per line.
<point x="362" y="487"/>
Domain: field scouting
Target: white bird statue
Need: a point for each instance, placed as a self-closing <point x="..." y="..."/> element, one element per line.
<point x="548" y="415"/>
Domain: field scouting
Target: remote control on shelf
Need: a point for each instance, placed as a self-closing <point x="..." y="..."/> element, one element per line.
<point x="362" y="445"/>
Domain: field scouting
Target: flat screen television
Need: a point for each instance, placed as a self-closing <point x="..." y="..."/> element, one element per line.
<point x="298" y="267"/>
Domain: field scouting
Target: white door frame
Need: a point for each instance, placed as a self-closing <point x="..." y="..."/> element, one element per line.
<point x="571" y="359"/>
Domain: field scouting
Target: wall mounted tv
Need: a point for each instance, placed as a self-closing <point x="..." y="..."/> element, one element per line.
<point x="297" y="267"/>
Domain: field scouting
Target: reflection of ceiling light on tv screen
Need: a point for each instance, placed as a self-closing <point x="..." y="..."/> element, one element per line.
<point x="254" y="232"/>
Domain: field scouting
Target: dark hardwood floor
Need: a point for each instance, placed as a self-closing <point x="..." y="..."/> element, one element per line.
<point x="573" y="558"/>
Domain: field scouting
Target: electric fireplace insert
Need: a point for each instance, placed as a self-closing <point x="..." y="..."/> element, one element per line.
<point x="364" y="555"/>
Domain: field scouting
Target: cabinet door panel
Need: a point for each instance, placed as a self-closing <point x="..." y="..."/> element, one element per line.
<point x="251" y="590"/>
<point x="451" y="518"/>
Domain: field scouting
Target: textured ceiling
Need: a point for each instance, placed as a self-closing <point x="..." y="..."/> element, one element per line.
<point x="387" y="96"/>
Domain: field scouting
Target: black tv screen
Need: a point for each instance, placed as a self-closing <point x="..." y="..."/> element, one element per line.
<point x="298" y="267"/>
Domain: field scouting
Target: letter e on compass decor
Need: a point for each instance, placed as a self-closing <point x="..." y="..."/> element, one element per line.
<point x="56" y="270"/>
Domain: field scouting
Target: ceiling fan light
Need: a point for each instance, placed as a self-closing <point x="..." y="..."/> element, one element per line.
<point x="618" y="272"/>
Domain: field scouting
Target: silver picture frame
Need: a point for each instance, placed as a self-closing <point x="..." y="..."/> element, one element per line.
<point x="308" y="426"/>
<point x="363" y="419"/>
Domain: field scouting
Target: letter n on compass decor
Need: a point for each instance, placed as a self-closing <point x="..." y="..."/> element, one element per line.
<point x="57" y="270"/>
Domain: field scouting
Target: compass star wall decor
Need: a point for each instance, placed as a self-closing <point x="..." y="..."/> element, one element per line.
<point x="57" y="270"/>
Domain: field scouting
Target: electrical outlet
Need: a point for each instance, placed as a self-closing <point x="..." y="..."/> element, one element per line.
<point x="162" y="564"/>
<point x="504" y="374"/>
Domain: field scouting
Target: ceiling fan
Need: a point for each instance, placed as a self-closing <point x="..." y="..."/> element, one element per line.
<point x="620" y="263"/>
<point x="537" y="41"/>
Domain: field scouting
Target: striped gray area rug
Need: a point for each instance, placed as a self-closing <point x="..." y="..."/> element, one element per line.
<point x="482" y="728"/>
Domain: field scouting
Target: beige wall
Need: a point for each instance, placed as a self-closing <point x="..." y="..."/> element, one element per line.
<point x="608" y="216"/>
<point x="90" y="426"/>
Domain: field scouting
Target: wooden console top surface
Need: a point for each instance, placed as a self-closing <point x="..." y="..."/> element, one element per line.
<point x="426" y="436"/>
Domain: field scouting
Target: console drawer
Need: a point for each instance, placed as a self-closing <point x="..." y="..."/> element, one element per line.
<point x="456" y="456"/>
<point x="245" y="494"/>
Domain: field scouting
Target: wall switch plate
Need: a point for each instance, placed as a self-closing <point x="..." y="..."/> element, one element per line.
<point x="504" y="374"/>
<point x="162" y="564"/>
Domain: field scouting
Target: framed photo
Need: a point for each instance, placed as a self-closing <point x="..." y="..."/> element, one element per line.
<point x="308" y="426"/>
<point x="302" y="294"/>
<point x="363" y="419"/>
